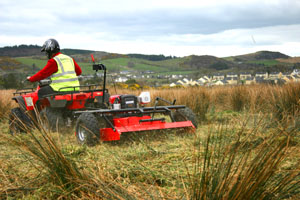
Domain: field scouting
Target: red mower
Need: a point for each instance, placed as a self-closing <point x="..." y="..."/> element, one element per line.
<point x="98" y="115"/>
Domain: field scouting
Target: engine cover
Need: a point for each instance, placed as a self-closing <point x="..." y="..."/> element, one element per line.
<point x="128" y="101"/>
<point x="125" y="101"/>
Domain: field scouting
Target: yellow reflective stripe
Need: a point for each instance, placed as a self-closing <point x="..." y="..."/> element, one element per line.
<point x="64" y="80"/>
<point x="60" y="64"/>
<point x="61" y="74"/>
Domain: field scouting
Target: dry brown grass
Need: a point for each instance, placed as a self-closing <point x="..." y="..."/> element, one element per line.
<point x="230" y="159"/>
<point x="290" y="60"/>
<point x="6" y="102"/>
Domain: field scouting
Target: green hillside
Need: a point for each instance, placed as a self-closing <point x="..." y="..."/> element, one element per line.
<point x="115" y="65"/>
<point x="30" y="59"/>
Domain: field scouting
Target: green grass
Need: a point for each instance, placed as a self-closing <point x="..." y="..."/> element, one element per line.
<point x="30" y="61"/>
<point x="138" y="64"/>
<point x="117" y="64"/>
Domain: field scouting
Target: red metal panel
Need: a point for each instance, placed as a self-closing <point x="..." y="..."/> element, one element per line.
<point x="132" y="124"/>
<point x="107" y="134"/>
<point x="113" y="97"/>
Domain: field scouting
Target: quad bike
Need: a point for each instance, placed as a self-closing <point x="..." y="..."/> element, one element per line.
<point x="98" y="116"/>
<point x="53" y="111"/>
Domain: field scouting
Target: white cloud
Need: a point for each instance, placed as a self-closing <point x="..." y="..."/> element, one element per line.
<point x="167" y="27"/>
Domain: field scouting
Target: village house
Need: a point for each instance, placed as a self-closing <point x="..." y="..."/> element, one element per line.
<point x="249" y="81"/>
<point x="232" y="80"/>
<point x="201" y="83"/>
<point x="175" y="84"/>
<point x="221" y="82"/>
<point x="174" y="76"/>
<point x="216" y="77"/>
<point x="245" y="75"/>
<point x="296" y="78"/>
<point x="232" y="75"/>
<point x="295" y="72"/>
<point x="204" y="80"/>
<point x="286" y="74"/>
<point x="275" y="75"/>
<point x="180" y="82"/>
<point x="263" y="75"/>
<point x="288" y="78"/>
<point x="194" y="83"/>
<point x="124" y="72"/>
<point x="259" y="79"/>
<point x="121" y="79"/>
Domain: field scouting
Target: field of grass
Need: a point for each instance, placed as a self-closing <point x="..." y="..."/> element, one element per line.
<point x="30" y="61"/>
<point x="247" y="146"/>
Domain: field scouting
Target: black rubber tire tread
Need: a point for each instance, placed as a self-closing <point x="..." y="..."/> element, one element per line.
<point x="53" y="119"/>
<point x="19" y="122"/>
<point x="89" y="122"/>
<point x="185" y="114"/>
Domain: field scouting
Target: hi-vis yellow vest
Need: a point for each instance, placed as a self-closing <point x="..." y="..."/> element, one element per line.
<point x="65" y="75"/>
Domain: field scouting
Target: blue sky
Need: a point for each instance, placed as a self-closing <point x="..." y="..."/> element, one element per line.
<point x="178" y="28"/>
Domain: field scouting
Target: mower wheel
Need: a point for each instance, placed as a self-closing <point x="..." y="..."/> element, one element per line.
<point x="185" y="114"/>
<point x="19" y="122"/>
<point x="87" y="129"/>
<point x="52" y="119"/>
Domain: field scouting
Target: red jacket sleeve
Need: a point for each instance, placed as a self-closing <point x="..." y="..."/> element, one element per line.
<point x="77" y="68"/>
<point x="48" y="70"/>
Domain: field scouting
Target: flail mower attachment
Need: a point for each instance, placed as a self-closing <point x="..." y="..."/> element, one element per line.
<point x="108" y="125"/>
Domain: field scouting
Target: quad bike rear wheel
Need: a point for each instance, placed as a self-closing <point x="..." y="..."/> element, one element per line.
<point x="88" y="129"/>
<point x="19" y="122"/>
<point x="185" y="114"/>
<point x="52" y="119"/>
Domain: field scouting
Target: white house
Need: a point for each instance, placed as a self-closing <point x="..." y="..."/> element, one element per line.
<point x="121" y="79"/>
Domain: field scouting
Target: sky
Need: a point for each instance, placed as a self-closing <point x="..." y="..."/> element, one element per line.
<point x="170" y="27"/>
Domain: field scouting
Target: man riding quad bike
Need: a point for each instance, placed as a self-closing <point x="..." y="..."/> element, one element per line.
<point x="61" y="69"/>
<point x="55" y="97"/>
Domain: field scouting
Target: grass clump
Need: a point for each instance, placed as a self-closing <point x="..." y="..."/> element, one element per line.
<point x="243" y="169"/>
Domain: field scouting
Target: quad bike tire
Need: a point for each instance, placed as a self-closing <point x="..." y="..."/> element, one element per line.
<point x="52" y="119"/>
<point x="185" y="114"/>
<point x="19" y="122"/>
<point x="88" y="129"/>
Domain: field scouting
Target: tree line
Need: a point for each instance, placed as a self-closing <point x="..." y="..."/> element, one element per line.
<point x="151" y="57"/>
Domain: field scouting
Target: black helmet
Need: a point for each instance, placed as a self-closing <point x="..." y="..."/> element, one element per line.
<point x="50" y="46"/>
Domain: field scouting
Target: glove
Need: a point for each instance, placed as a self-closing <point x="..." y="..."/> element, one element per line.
<point x="28" y="78"/>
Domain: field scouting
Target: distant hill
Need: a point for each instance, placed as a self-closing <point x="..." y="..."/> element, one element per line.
<point x="260" y="55"/>
<point x="21" y="50"/>
<point x="35" y="50"/>
<point x="206" y="62"/>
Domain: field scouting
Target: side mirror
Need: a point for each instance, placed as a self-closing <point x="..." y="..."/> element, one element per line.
<point x="144" y="98"/>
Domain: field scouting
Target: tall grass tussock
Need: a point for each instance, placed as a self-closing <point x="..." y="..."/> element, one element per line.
<point x="247" y="147"/>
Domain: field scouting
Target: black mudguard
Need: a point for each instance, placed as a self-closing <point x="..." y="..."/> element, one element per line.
<point x="20" y="101"/>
